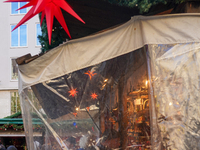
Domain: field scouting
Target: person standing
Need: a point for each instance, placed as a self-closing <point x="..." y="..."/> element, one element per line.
<point x="2" y="147"/>
<point x="11" y="147"/>
<point x="70" y="143"/>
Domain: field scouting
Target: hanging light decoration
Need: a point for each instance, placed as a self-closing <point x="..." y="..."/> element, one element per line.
<point x="72" y="92"/>
<point x="49" y="8"/>
<point x="88" y="108"/>
<point x="75" y="114"/>
<point x="90" y="74"/>
<point x="94" y="96"/>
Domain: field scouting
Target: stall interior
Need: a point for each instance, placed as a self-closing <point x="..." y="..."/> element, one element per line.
<point x="105" y="106"/>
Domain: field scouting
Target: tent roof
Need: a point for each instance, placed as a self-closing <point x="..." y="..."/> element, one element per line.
<point x="91" y="50"/>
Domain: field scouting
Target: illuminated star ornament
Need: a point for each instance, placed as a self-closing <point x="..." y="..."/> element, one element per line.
<point x="90" y="74"/>
<point x="49" y="8"/>
<point x="72" y="92"/>
<point x="94" y="96"/>
<point x="88" y="108"/>
<point x="75" y="114"/>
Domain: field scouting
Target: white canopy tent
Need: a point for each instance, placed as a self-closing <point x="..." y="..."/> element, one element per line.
<point x="161" y="51"/>
<point x="91" y="50"/>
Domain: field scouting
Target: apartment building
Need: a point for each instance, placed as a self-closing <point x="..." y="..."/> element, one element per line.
<point x="21" y="41"/>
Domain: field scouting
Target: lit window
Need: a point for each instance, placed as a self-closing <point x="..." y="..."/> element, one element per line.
<point x="19" y="36"/>
<point x="17" y="5"/>
<point x="38" y="32"/>
<point x="15" y="102"/>
<point x="14" y="71"/>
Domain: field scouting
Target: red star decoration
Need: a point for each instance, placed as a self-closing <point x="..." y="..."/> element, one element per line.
<point x="75" y="114"/>
<point x="90" y="74"/>
<point x="50" y="8"/>
<point x="88" y="108"/>
<point x="94" y="96"/>
<point x="72" y="92"/>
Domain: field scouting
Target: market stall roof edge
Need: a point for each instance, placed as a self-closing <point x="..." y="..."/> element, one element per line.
<point x="80" y="53"/>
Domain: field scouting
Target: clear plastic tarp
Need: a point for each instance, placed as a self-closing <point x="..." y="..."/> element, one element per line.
<point x="175" y="95"/>
<point x="105" y="106"/>
<point x="145" y="99"/>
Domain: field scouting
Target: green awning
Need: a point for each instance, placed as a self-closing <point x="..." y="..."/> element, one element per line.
<point x="18" y="121"/>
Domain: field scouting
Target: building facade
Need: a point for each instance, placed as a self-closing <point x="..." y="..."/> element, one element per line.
<point x="21" y="41"/>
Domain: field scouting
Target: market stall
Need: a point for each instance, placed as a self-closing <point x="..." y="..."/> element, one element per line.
<point x="132" y="87"/>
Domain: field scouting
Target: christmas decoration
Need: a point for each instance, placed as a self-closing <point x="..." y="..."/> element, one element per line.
<point x="56" y="38"/>
<point x="73" y="92"/>
<point x="94" y="96"/>
<point x="11" y="126"/>
<point x="19" y="127"/>
<point x="75" y="114"/>
<point x="49" y="8"/>
<point x="90" y="74"/>
<point x="88" y="108"/>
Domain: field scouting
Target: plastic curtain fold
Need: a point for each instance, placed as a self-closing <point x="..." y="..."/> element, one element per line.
<point x="174" y="73"/>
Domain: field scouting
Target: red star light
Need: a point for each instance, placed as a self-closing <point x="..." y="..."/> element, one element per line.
<point x="88" y="108"/>
<point x="90" y="74"/>
<point x="49" y="8"/>
<point x="94" y="96"/>
<point x="75" y="114"/>
<point x="72" y="92"/>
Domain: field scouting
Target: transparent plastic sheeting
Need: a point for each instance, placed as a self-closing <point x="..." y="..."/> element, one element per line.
<point x="114" y="105"/>
<point x="175" y="76"/>
<point x="101" y="107"/>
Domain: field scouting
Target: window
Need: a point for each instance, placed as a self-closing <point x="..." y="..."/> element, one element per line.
<point x="19" y="36"/>
<point x="17" y="5"/>
<point x="38" y="32"/>
<point x="15" y="102"/>
<point x="14" y="71"/>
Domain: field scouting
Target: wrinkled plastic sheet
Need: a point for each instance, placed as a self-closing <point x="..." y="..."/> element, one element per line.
<point x="146" y="99"/>
<point x="175" y="92"/>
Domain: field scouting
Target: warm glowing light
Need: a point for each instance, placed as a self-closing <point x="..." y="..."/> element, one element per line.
<point x="146" y="83"/>
<point x="90" y="74"/>
<point x="94" y="96"/>
<point x="48" y="8"/>
<point x="77" y="108"/>
<point x="170" y="103"/>
<point x="105" y="80"/>
<point x="72" y="92"/>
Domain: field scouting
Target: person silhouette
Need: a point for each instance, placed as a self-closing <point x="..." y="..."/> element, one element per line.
<point x="2" y="147"/>
<point x="11" y="147"/>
